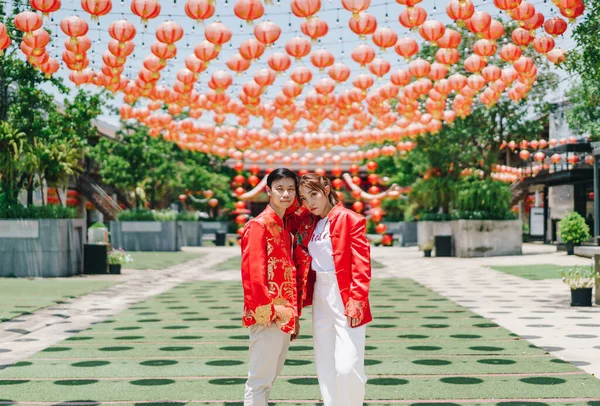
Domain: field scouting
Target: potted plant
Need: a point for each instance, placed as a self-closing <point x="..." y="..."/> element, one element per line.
<point x="116" y="258"/>
<point x="427" y="247"/>
<point x="580" y="280"/>
<point x="573" y="231"/>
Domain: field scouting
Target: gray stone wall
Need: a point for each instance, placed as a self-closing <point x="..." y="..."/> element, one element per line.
<point x="144" y="235"/>
<point x="55" y="250"/>
<point x="487" y="238"/>
<point x="189" y="234"/>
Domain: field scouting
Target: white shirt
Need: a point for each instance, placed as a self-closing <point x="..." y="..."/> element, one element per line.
<point x="319" y="248"/>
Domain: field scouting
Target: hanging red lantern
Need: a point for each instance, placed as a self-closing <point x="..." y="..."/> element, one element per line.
<point x="145" y="9"/>
<point x="218" y="34"/>
<point x="363" y="54"/>
<point x="412" y="17"/>
<point x="251" y="49"/>
<point x="74" y="27"/>
<point x="305" y="8"/>
<point x="46" y="6"/>
<point x="169" y="32"/>
<point x="364" y="24"/>
<point x="322" y="59"/>
<point x="379" y="67"/>
<point x="460" y="10"/>
<point x="28" y="21"/>
<point x="249" y="10"/>
<point x="555" y="26"/>
<point x="267" y="32"/>
<point x="339" y="72"/>
<point x="384" y="38"/>
<point x="543" y="45"/>
<point x="96" y="8"/>
<point x="206" y="51"/>
<point x="315" y="28"/>
<point x="298" y="47"/>
<point x="199" y="10"/>
<point x="479" y="22"/>
<point x="524" y="155"/>
<point x="380" y="228"/>
<point x="358" y="206"/>
<point x="279" y="62"/>
<point x="406" y="47"/>
<point x="432" y="31"/>
<point x="356" y="6"/>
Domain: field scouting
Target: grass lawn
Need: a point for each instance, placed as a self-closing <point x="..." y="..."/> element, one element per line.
<point x="235" y="263"/>
<point x="534" y="272"/>
<point x="188" y="343"/>
<point x="159" y="260"/>
<point x="21" y="296"/>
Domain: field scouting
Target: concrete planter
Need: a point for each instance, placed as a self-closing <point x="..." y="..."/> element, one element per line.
<point x="404" y="231"/>
<point x="213" y="227"/>
<point x="144" y="235"/>
<point x="426" y="230"/>
<point x="189" y="234"/>
<point x="487" y="238"/>
<point x="41" y="248"/>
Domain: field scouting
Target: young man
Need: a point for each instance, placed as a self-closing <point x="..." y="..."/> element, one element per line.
<point x="271" y="287"/>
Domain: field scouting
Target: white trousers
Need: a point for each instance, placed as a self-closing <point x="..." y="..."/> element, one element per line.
<point x="268" y="349"/>
<point x="339" y="348"/>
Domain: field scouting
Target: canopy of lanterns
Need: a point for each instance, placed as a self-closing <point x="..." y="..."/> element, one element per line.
<point x="302" y="94"/>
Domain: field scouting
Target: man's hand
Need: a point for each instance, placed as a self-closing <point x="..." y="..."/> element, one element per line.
<point x="352" y="322"/>
<point x="296" y="329"/>
<point x="283" y="315"/>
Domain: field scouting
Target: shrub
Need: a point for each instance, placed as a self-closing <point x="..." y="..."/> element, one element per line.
<point x="53" y="212"/>
<point x="187" y="216"/>
<point x="482" y="199"/>
<point x="574" y="229"/>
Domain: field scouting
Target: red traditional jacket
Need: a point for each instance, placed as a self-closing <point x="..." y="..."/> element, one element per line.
<point x="268" y="272"/>
<point x="352" y="258"/>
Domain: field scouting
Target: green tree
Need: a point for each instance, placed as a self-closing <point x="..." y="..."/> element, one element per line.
<point x="583" y="115"/>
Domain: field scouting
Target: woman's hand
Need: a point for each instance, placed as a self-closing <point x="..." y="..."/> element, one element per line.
<point x="352" y="322"/>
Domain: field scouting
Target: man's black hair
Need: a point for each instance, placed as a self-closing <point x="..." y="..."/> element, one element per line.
<point x="281" y="173"/>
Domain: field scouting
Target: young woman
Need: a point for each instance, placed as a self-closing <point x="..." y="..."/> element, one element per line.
<point x="338" y="288"/>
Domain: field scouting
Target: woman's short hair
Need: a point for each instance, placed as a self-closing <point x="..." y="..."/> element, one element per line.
<point x="317" y="182"/>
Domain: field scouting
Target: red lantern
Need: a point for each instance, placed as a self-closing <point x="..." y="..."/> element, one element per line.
<point x="460" y="10"/>
<point x="372" y="166"/>
<point x="96" y="8"/>
<point x="169" y="32"/>
<point x="279" y="62"/>
<point x="384" y="38"/>
<point x="298" y="47"/>
<point x="406" y="47"/>
<point x="46" y="6"/>
<point x="358" y="206"/>
<point x="249" y="10"/>
<point x="356" y="6"/>
<point x="479" y="22"/>
<point x="145" y="9"/>
<point x="239" y="180"/>
<point x="380" y="228"/>
<point x="363" y="54"/>
<point x="267" y="32"/>
<point x="74" y="27"/>
<point x="305" y="8"/>
<point x="199" y="10"/>
<point x="432" y="30"/>
<point x="251" y="49"/>
<point x="412" y="17"/>
<point x="364" y="24"/>
<point x="239" y="191"/>
<point x="339" y="72"/>
<point x="322" y="59"/>
<point x="524" y="155"/>
<point x="555" y="26"/>
<point x="218" y="34"/>
<point x="315" y="28"/>
<point x="28" y="21"/>
<point x="253" y="180"/>
<point x="543" y="45"/>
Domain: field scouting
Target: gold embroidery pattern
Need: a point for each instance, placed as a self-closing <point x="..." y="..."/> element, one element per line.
<point x="262" y="314"/>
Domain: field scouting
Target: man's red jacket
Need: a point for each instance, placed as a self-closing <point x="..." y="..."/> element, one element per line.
<point x="268" y="273"/>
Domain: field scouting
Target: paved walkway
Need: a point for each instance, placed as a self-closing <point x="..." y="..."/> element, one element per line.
<point x="26" y="335"/>
<point x="538" y="311"/>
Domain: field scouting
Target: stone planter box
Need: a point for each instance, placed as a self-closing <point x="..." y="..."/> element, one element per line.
<point x="487" y="238"/>
<point x="189" y="234"/>
<point x="144" y="235"/>
<point x="41" y="248"/>
<point x="404" y="231"/>
<point x="212" y="227"/>
<point x="426" y="230"/>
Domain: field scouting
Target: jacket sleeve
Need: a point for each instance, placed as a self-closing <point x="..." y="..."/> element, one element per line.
<point x="361" y="271"/>
<point x="302" y="263"/>
<point x="254" y="273"/>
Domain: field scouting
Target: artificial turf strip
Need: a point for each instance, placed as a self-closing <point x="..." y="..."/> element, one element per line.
<point x="159" y="260"/>
<point x="294" y="366"/>
<point x="534" y="272"/>
<point x="420" y="346"/>
<point x="231" y="388"/>
<point x="22" y="296"/>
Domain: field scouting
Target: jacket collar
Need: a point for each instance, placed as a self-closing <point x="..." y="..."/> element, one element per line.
<point x="270" y="214"/>
<point x="335" y="211"/>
